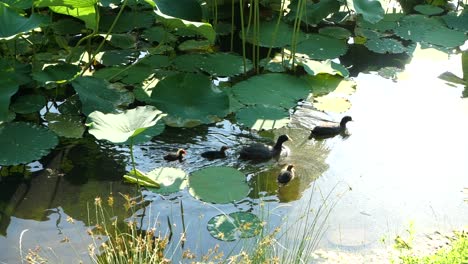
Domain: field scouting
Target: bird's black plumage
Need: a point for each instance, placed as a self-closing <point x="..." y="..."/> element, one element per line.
<point x="173" y="156"/>
<point x="259" y="151"/>
<point x="286" y="174"/>
<point x="215" y="154"/>
<point x="332" y="130"/>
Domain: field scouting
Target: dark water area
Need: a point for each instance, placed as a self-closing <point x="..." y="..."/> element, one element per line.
<point x="404" y="160"/>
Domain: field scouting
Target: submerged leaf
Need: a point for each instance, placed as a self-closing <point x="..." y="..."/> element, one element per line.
<point x="29" y="103"/>
<point x="24" y="142"/>
<point x="234" y="226"/>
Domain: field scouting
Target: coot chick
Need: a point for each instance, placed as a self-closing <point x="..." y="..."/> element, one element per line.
<point x="286" y="174"/>
<point x="179" y="155"/>
<point x="215" y="154"/>
<point x="331" y="130"/>
<point x="259" y="151"/>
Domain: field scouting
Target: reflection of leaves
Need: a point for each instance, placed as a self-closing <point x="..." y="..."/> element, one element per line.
<point x="218" y="185"/>
<point x="24" y="142"/>
<point x="234" y="226"/>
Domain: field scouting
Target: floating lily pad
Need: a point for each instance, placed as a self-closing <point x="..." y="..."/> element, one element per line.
<point x="335" y="32"/>
<point x="118" y="128"/>
<point x="271" y="34"/>
<point x="371" y="10"/>
<point x="445" y="37"/>
<point x="260" y="117"/>
<point x="234" y="226"/>
<point x="170" y="180"/>
<point x="459" y="22"/>
<point x="195" y="45"/>
<point x="428" y="10"/>
<point x="189" y="100"/>
<point x="69" y="126"/>
<point x="225" y="64"/>
<point x="325" y="83"/>
<point x="322" y="47"/>
<point x="274" y="89"/>
<point x="8" y="88"/>
<point x="385" y="45"/>
<point x="315" y="12"/>
<point x="332" y="104"/>
<point x="59" y="73"/>
<point x="128" y="21"/>
<point x="389" y="22"/>
<point x="189" y="62"/>
<point x="24" y="142"/>
<point x="98" y="95"/>
<point x="158" y="34"/>
<point x="123" y="41"/>
<point x="318" y="67"/>
<point x="29" y="103"/>
<point x="218" y="185"/>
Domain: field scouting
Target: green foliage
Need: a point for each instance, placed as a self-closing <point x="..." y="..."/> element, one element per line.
<point x="24" y="142"/>
<point x="27" y="104"/>
<point x="69" y="126"/>
<point x="371" y="10"/>
<point x="58" y="73"/>
<point x="13" y="23"/>
<point x="261" y="117"/>
<point x="314" y="43"/>
<point x="8" y="88"/>
<point x="170" y="180"/>
<point x="428" y="9"/>
<point x="218" y="185"/>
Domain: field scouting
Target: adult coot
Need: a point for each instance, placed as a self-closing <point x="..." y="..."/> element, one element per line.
<point x="215" y="154"/>
<point x="331" y="130"/>
<point x="179" y="155"/>
<point x="286" y="174"/>
<point x="259" y="151"/>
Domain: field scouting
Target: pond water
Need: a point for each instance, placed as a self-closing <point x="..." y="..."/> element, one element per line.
<point x="404" y="161"/>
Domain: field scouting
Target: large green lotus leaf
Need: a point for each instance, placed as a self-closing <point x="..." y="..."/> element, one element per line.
<point x="24" y="142"/>
<point x="86" y="14"/>
<point x="464" y="59"/>
<point x="335" y="32"/>
<point x="428" y="10"/>
<point x="200" y="28"/>
<point x="313" y="67"/>
<point x="260" y="117"/>
<point x="156" y="61"/>
<point x="457" y="22"/>
<point x="332" y="104"/>
<point x="68" y="3"/>
<point x="371" y="10"/>
<point x="218" y="185"/>
<point x="190" y="99"/>
<point x="59" y="73"/>
<point x="146" y="135"/>
<point x="128" y="21"/>
<point x="16" y="71"/>
<point x="225" y="64"/>
<point x="367" y="33"/>
<point x="189" y="62"/>
<point x="19" y="4"/>
<point x="29" y="103"/>
<point x="97" y="95"/>
<point x="325" y="83"/>
<point x="445" y="37"/>
<point x="67" y="26"/>
<point x="415" y="27"/>
<point x="137" y="74"/>
<point x="385" y="45"/>
<point x="193" y="45"/>
<point x="274" y="89"/>
<point x="321" y="47"/>
<point x="118" y="57"/>
<point x="170" y="180"/>
<point x="158" y="34"/>
<point x="122" y="41"/>
<point x="69" y="126"/>
<point x="271" y="34"/>
<point x="234" y="226"/>
<point x="13" y="23"/>
<point x="112" y="74"/>
<point x="389" y="22"/>
<point x="184" y="9"/>
<point x="315" y="12"/>
<point x="8" y="88"/>
<point x="118" y="128"/>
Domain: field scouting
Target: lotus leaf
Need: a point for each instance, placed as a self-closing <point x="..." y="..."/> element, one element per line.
<point x="27" y="104"/>
<point x="118" y="57"/>
<point x="335" y="32"/>
<point x="68" y="3"/>
<point x="371" y="10"/>
<point x="218" y="185"/>
<point x="19" y="4"/>
<point x="184" y="9"/>
<point x="325" y="83"/>
<point x="189" y="100"/>
<point x="170" y="180"/>
<point x="97" y="95"/>
<point x="315" y="12"/>
<point x="146" y="135"/>
<point x="332" y="104"/>
<point x="274" y="89"/>
<point x="389" y="22"/>
<point x="140" y="178"/>
<point x="12" y="23"/>
<point x="385" y="45"/>
<point x="203" y="29"/>
<point x="428" y="10"/>
<point x="445" y="37"/>
<point x="234" y="226"/>
<point x="8" y="88"/>
<point x="128" y="21"/>
<point x="16" y="71"/>
<point x="457" y="22"/>
<point x="272" y="34"/>
<point x="415" y="27"/>
<point x="118" y="128"/>
<point x="58" y="73"/>
<point x="189" y="62"/>
<point x="225" y="64"/>
<point x="24" y="142"/>
<point x="321" y="47"/>
<point x="367" y="33"/>
<point x="86" y="14"/>
<point x="67" y="26"/>
<point x="156" y="61"/>
<point x="158" y="34"/>
<point x="260" y="117"/>
<point x="195" y="45"/>
<point x="389" y="72"/>
<point x="318" y="67"/>
<point x="123" y="41"/>
<point x="69" y="126"/>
